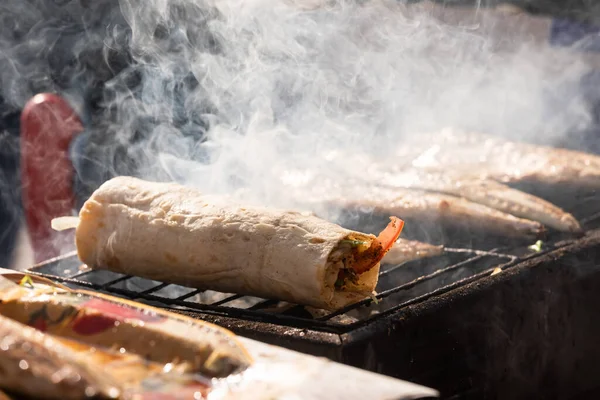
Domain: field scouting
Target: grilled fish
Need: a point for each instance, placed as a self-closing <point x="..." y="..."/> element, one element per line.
<point x="410" y="250"/>
<point x="473" y="155"/>
<point x="419" y="205"/>
<point x="476" y="167"/>
<point x="486" y="192"/>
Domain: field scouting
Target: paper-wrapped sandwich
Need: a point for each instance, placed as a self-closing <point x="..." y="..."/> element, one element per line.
<point x="58" y="343"/>
<point x="176" y="234"/>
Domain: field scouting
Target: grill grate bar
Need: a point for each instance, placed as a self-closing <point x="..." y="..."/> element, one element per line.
<point x="82" y="273"/>
<point x="227" y="300"/>
<point x="491" y="253"/>
<point x="255" y="312"/>
<point x="447" y="288"/>
<point x="188" y="295"/>
<point x="204" y="308"/>
<point x="454" y="265"/>
<point x="398" y="288"/>
<point x="114" y="281"/>
<point x="154" y="289"/>
<point x="263" y="304"/>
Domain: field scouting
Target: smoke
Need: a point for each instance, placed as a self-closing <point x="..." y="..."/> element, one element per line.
<point x="232" y="96"/>
<point x="259" y="90"/>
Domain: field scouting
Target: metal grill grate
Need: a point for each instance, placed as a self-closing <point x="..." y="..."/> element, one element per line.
<point x="399" y="286"/>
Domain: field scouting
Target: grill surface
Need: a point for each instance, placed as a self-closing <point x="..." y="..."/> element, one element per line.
<point x="448" y="322"/>
<point x="399" y="286"/>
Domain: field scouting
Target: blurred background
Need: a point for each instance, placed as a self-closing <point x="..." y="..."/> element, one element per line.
<point x="91" y="53"/>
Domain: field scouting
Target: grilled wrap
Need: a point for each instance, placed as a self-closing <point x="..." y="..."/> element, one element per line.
<point x="172" y="233"/>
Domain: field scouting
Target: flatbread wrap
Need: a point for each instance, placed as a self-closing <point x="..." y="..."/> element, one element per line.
<point x="172" y="233"/>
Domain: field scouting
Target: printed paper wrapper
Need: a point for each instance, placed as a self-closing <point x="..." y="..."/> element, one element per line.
<point x="122" y="349"/>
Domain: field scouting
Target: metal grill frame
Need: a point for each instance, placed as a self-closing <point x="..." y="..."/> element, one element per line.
<point x="444" y="340"/>
<point x="256" y="312"/>
<point x="506" y="259"/>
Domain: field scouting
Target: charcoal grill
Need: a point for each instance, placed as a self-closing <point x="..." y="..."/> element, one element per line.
<point x="506" y="322"/>
<point x="452" y="322"/>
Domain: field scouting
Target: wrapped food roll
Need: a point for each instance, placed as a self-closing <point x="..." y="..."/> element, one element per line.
<point x="172" y="233"/>
<point x="58" y="343"/>
<point x="32" y="358"/>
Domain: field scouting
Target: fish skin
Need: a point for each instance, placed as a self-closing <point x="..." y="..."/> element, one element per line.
<point x="486" y="192"/>
<point x="409" y="250"/>
<point x="460" y="175"/>
<point x="480" y="156"/>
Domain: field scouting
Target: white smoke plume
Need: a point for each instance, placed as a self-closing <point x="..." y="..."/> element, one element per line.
<point x="281" y="87"/>
<point x="231" y="95"/>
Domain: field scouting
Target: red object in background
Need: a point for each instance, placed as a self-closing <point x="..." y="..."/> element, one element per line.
<point x="48" y="124"/>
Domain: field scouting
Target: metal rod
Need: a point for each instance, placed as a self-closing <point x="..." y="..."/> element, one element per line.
<point x="226" y="300"/>
<point x="115" y="281"/>
<point x="408" y="285"/>
<point x="188" y="295"/>
<point x="155" y="288"/>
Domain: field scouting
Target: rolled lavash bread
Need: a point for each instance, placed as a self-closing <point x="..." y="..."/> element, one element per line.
<point x="172" y="233"/>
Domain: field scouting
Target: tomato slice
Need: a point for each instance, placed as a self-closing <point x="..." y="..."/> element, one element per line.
<point x="380" y="246"/>
<point x="390" y="234"/>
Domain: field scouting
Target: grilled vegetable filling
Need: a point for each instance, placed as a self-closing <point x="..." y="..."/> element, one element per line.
<point x="345" y="275"/>
<point x="357" y="254"/>
<point x="354" y="256"/>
